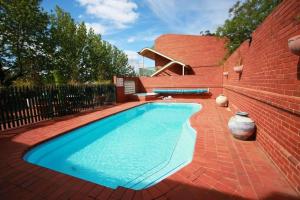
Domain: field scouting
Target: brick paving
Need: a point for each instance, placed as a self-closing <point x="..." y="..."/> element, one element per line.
<point x="222" y="168"/>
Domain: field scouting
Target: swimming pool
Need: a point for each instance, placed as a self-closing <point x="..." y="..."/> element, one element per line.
<point x="135" y="148"/>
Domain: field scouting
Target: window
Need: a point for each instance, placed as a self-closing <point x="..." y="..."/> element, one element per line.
<point x="129" y="87"/>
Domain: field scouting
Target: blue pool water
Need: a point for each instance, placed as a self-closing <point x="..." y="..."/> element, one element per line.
<point x="134" y="149"/>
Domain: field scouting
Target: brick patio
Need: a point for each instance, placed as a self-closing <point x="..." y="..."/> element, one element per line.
<point x="222" y="168"/>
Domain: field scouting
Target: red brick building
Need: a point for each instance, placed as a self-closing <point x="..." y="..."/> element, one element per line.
<point x="196" y="53"/>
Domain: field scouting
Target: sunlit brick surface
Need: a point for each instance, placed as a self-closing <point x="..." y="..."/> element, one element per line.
<point x="222" y="168"/>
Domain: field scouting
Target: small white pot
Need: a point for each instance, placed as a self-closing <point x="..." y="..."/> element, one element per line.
<point x="238" y="69"/>
<point x="225" y="73"/>
<point x="222" y="100"/>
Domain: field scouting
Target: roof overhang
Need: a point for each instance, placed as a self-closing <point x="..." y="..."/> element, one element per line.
<point x="151" y="53"/>
<point x="170" y="64"/>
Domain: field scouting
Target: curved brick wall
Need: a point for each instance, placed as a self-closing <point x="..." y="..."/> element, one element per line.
<point x="269" y="87"/>
<point x="196" y="51"/>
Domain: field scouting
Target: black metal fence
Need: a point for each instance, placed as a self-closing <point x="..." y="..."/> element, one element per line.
<point x="25" y="105"/>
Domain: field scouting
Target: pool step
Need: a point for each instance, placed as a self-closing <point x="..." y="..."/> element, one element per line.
<point x="168" y="167"/>
<point x="146" y="175"/>
<point x="157" y="177"/>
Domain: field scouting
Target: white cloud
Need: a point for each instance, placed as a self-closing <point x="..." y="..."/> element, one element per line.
<point x="97" y="27"/>
<point x="112" y="14"/>
<point x="113" y="42"/>
<point x="131" y="39"/>
<point x="191" y="17"/>
<point x="136" y="61"/>
<point x="148" y="35"/>
<point x="133" y="59"/>
<point x="132" y="55"/>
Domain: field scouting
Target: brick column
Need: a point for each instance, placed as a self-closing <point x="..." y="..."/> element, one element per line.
<point x="120" y="95"/>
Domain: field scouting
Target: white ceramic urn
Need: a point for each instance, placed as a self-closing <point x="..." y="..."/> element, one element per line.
<point x="222" y="100"/>
<point x="241" y="126"/>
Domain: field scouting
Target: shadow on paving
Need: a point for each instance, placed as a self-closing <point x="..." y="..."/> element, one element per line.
<point x="192" y="192"/>
<point x="18" y="183"/>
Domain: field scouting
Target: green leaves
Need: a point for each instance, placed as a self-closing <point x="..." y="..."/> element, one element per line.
<point x="23" y="29"/>
<point x="40" y="48"/>
<point x="244" y="19"/>
<point x="65" y="47"/>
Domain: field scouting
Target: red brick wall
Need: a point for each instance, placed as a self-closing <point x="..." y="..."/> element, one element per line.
<point x="196" y="51"/>
<point x="269" y="87"/>
<point x="120" y="91"/>
<point x="211" y="77"/>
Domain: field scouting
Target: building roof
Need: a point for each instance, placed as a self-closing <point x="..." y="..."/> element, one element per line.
<point x="151" y="53"/>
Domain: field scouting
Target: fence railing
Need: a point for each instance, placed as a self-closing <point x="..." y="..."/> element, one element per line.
<point x="25" y="105"/>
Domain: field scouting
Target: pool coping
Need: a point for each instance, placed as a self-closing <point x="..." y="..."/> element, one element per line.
<point x="29" y="148"/>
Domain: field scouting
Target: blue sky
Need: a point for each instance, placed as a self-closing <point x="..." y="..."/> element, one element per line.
<point x="132" y="24"/>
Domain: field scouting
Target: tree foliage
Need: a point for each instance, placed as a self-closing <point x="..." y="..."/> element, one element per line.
<point x="207" y="33"/>
<point x="244" y="19"/>
<point x="43" y="48"/>
<point x="23" y="29"/>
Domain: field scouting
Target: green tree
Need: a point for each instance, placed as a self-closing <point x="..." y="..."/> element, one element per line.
<point x="42" y="48"/>
<point x="120" y="63"/>
<point x="101" y="60"/>
<point x="80" y="56"/>
<point x="23" y="35"/>
<point x="244" y="19"/>
<point x="64" y="47"/>
<point x="207" y="33"/>
<point x="81" y="45"/>
<point x="92" y="59"/>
